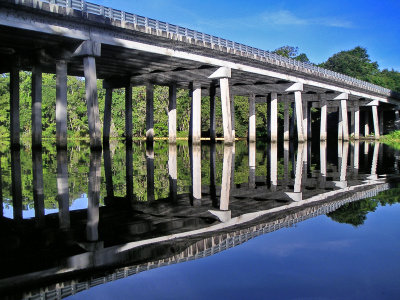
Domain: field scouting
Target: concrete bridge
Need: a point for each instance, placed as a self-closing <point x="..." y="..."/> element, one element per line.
<point x="80" y="38"/>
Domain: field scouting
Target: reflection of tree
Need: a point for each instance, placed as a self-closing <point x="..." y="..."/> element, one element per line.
<point x="355" y="213"/>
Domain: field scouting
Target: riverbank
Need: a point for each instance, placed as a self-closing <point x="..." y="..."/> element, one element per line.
<point x="392" y="139"/>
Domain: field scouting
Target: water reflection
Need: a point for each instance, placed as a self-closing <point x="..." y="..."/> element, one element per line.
<point x="184" y="196"/>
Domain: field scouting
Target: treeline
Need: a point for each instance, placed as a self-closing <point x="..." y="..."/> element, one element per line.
<point x="355" y="62"/>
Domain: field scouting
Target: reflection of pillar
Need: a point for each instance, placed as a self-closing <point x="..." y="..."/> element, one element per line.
<point x="297" y="194"/>
<point x="38" y="195"/>
<point x="274" y="118"/>
<point x="172" y="172"/>
<point x="14" y="107"/>
<point x="322" y="153"/>
<point x="397" y="119"/>
<point x="172" y="114"/>
<point x="62" y="189"/>
<point x="356" y="157"/>
<point x="375" y="161"/>
<point x="149" y="113"/>
<point x="107" y="116"/>
<point x="252" y="118"/>
<point x="212" y="112"/>
<point x="323" y="128"/>
<point x="305" y="162"/>
<point x="195" y="168"/>
<point x="252" y="165"/>
<point x="108" y="172"/>
<point x="343" y="169"/>
<point x="299" y="115"/>
<point x="128" y="113"/>
<point x="233" y="166"/>
<point x="36" y="106"/>
<point x="376" y="121"/>
<point x="16" y="183"/>
<point x="286" y="135"/>
<point x="226" y="179"/>
<point x="61" y="104"/>
<point x="150" y="171"/>
<point x="274" y="166"/>
<point x="129" y="172"/>
<point x="213" y="193"/>
<point x="92" y="225"/>
<point x="286" y="161"/>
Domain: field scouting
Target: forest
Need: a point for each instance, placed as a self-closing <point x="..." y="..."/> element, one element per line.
<point x="355" y="62"/>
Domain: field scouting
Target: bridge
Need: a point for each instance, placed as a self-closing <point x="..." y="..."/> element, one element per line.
<point x="80" y="38"/>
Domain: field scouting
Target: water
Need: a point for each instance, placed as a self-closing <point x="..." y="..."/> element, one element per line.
<point x="175" y="222"/>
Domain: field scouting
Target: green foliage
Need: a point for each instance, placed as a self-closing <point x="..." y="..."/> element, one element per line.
<point x="291" y="52"/>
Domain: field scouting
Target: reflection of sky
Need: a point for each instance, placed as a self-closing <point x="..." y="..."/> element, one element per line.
<point x="29" y="212"/>
<point x="317" y="259"/>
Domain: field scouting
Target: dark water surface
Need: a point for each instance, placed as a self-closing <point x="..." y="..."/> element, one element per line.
<point x="313" y="221"/>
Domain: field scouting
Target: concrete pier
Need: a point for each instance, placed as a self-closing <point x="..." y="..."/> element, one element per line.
<point x="226" y="111"/>
<point x="61" y="104"/>
<point x="323" y="127"/>
<point x="345" y="123"/>
<point x="195" y="133"/>
<point x="286" y="121"/>
<point x="305" y="120"/>
<point x="172" y="113"/>
<point x="107" y="116"/>
<point x="14" y="107"/>
<point x="37" y="106"/>
<point x="356" y="121"/>
<point x="212" y="111"/>
<point x="366" y="123"/>
<point x="108" y="171"/>
<point x="376" y="121"/>
<point x="150" y="113"/>
<point x="252" y="118"/>
<point x="274" y="117"/>
<point x="299" y="116"/>
<point x="381" y="122"/>
<point x="233" y="116"/>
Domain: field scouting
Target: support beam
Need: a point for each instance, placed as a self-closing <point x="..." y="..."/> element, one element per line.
<point x="212" y="111"/>
<point x="286" y="136"/>
<point x="323" y="127"/>
<point x="61" y="104"/>
<point x="356" y="121"/>
<point x="107" y="116"/>
<point x="196" y="113"/>
<point x="14" y="107"/>
<point x="274" y="117"/>
<point x="128" y="113"/>
<point x="376" y="121"/>
<point x="305" y="119"/>
<point x="172" y="114"/>
<point x="149" y="113"/>
<point x="366" y="123"/>
<point x="36" y="106"/>
<point x="226" y="111"/>
<point x="340" y="124"/>
<point x="345" y="124"/>
<point x="92" y="103"/>
<point x="299" y="116"/>
<point x="252" y="118"/>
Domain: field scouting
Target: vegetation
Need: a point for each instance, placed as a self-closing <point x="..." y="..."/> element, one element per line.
<point x="392" y="139"/>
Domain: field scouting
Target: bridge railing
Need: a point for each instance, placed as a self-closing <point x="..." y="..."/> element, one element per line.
<point x="274" y="58"/>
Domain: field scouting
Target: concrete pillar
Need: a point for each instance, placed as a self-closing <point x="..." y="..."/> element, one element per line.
<point x="274" y="166"/>
<point x="61" y="104"/>
<point x="213" y="192"/>
<point x="233" y="116"/>
<point x="252" y="118"/>
<point x="381" y="122"/>
<point x="16" y="183"/>
<point x="356" y="121"/>
<point x="195" y="168"/>
<point x="340" y="124"/>
<point x="299" y="116"/>
<point x="226" y="179"/>
<point x="323" y="127"/>
<point x="212" y="111"/>
<point x="172" y="114"/>
<point x="36" y="106"/>
<point x="286" y="136"/>
<point x="397" y="119"/>
<point x="343" y="109"/>
<point x="366" y="123"/>
<point x="129" y="172"/>
<point x="305" y="120"/>
<point x="37" y="183"/>
<point x="292" y="120"/>
<point x="14" y="107"/>
<point x="128" y="113"/>
<point x="196" y="113"/>
<point x="376" y="121"/>
<point x="252" y="165"/>
<point x="226" y="111"/>
<point x="351" y="133"/>
<point x="107" y="116"/>
<point x="150" y="113"/>
<point x="92" y="225"/>
<point x="62" y="189"/>
<point x="274" y="118"/>
<point x="108" y="171"/>
<point x="150" y="171"/>
<point x="173" y="172"/>
<point x="89" y="64"/>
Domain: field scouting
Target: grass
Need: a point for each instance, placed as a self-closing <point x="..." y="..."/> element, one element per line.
<point x="392" y="139"/>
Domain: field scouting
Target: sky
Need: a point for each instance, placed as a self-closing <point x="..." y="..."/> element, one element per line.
<point x="318" y="28"/>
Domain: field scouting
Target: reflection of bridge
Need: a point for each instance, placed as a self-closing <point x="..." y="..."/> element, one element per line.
<point x="216" y="241"/>
<point x="80" y="38"/>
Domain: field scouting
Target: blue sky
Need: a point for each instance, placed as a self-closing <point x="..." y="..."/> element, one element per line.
<point x="318" y="28"/>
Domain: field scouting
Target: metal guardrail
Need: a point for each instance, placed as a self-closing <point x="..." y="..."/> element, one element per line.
<point x="119" y="15"/>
